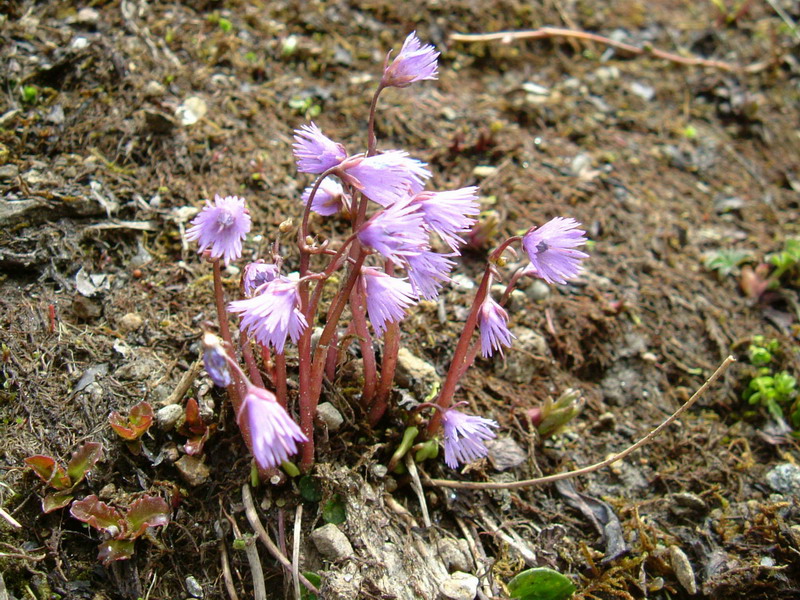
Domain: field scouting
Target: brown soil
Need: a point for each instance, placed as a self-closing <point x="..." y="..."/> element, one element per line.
<point x="665" y="164"/>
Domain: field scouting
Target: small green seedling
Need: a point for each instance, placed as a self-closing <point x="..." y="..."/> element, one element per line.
<point x="121" y="530"/>
<point x="725" y="262"/>
<point x="772" y="392"/>
<point x="64" y="480"/>
<point x="761" y="351"/>
<point x="550" y="418"/>
<point x="785" y="262"/>
<point x="541" y="583"/>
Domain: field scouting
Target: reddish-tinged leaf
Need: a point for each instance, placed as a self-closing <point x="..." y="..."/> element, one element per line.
<point x="82" y="461"/>
<point x="193" y="421"/>
<point x="147" y="511"/>
<point x="98" y="514"/>
<point x="135" y="424"/>
<point x="56" y="500"/>
<point x="112" y="550"/>
<point x="194" y="445"/>
<point x="50" y="472"/>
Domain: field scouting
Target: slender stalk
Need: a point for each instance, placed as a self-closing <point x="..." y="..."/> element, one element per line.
<point x="249" y="360"/>
<point x="391" y="347"/>
<point x="372" y="141"/>
<point x="473" y="485"/>
<point x="280" y="379"/>
<point x="459" y="356"/>
<point x="309" y="397"/>
<point x="365" y="342"/>
<point x="236" y="388"/>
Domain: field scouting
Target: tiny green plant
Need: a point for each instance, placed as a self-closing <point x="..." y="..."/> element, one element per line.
<point x="785" y="262"/>
<point x="726" y="261"/>
<point x="540" y="583"/>
<point x="774" y="390"/>
<point x="121" y="528"/>
<point x="64" y="480"/>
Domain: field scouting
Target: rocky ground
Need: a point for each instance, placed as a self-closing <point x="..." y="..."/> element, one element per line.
<point x="118" y="118"/>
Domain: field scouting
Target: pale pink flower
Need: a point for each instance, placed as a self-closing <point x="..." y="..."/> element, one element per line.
<point x="273" y="433"/>
<point x="329" y="199"/>
<point x="449" y="213"/>
<point x="387" y="297"/>
<point x="221" y="226"/>
<point x="396" y="232"/>
<point x="414" y="62"/>
<point x="493" y="323"/>
<point x="273" y="314"/>
<point x="551" y="249"/>
<point x="464" y="437"/>
<point x="314" y="152"/>
<point x="385" y="178"/>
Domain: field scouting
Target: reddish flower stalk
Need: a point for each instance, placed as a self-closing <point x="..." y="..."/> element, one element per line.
<point x="358" y="309"/>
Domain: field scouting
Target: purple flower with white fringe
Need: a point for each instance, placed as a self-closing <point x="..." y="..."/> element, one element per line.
<point x="273" y="433"/>
<point x="215" y="360"/>
<point x="387" y="298"/>
<point x="221" y="226"/>
<point x="464" y="437"/>
<point x="551" y="249"/>
<point x="493" y="323"/>
<point x="257" y="274"/>
<point x="449" y="213"/>
<point x="314" y="152"/>
<point x="428" y="272"/>
<point x="385" y="178"/>
<point x="329" y="199"/>
<point x="273" y="314"/>
<point x="396" y="232"/>
<point x="414" y="62"/>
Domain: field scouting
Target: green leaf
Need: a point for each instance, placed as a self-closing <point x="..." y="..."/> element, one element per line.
<point x="315" y="580"/>
<point x="82" y="461"/>
<point x="112" y="550"/>
<point x="98" y="514"/>
<point x="309" y="489"/>
<point x="147" y="511"/>
<point x="541" y="584"/>
<point x="48" y="471"/>
<point x="56" y="500"/>
<point x="334" y="511"/>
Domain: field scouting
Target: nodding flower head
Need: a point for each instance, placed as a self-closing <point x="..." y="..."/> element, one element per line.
<point x="329" y="199"/>
<point x="449" y="213"/>
<point x="273" y="314"/>
<point x="215" y="360"/>
<point x="387" y="298"/>
<point x="414" y="62"/>
<point x="221" y="226"/>
<point x="314" y="152"/>
<point x="493" y="322"/>
<point x="273" y="433"/>
<point x="385" y="178"/>
<point x="428" y="272"/>
<point x="464" y="437"/>
<point x="257" y="274"/>
<point x="396" y="232"/>
<point x="551" y="250"/>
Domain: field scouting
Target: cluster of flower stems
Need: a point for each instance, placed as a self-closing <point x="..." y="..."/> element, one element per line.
<point x="385" y="266"/>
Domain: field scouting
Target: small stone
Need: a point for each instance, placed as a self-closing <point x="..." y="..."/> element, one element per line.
<point x="415" y="374"/>
<point x="682" y="569"/>
<point x="644" y="91"/>
<point x="537" y="290"/>
<point x="460" y="586"/>
<point x="454" y="554"/>
<point x="107" y="491"/>
<point x="505" y="453"/>
<point x="191" y="111"/>
<point x="8" y="172"/>
<point x="379" y="471"/>
<point x="154" y="89"/>
<point x="87" y="16"/>
<point x="195" y="589"/>
<point x="484" y="171"/>
<point x="169" y="452"/>
<point x="168" y="416"/>
<point x="689" y="500"/>
<point x="331" y="543"/>
<point x="785" y="479"/>
<point x="194" y="471"/>
<point x="130" y="322"/>
<point x="607" y="74"/>
<point x="525" y="357"/>
<point x="463" y="282"/>
<point x="330" y="415"/>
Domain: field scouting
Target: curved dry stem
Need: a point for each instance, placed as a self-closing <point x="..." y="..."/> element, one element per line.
<point x="470" y="485"/>
<point x="551" y="32"/>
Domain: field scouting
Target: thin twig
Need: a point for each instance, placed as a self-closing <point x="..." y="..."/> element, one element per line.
<point x="469" y="485"/>
<point x="298" y="519"/>
<point x="550" y="32"/>
<point x="11" y="520"/>
<point x="251" y="550"/>
<point x="184" y="384"/>
<point x="226" y="572"/>
<point x="255" y="523"/>
<point x="416" y="485"/>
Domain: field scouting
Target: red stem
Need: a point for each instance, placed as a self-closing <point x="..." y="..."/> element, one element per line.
<point x="280" y="379"/>
<point x="365" y="342"/>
